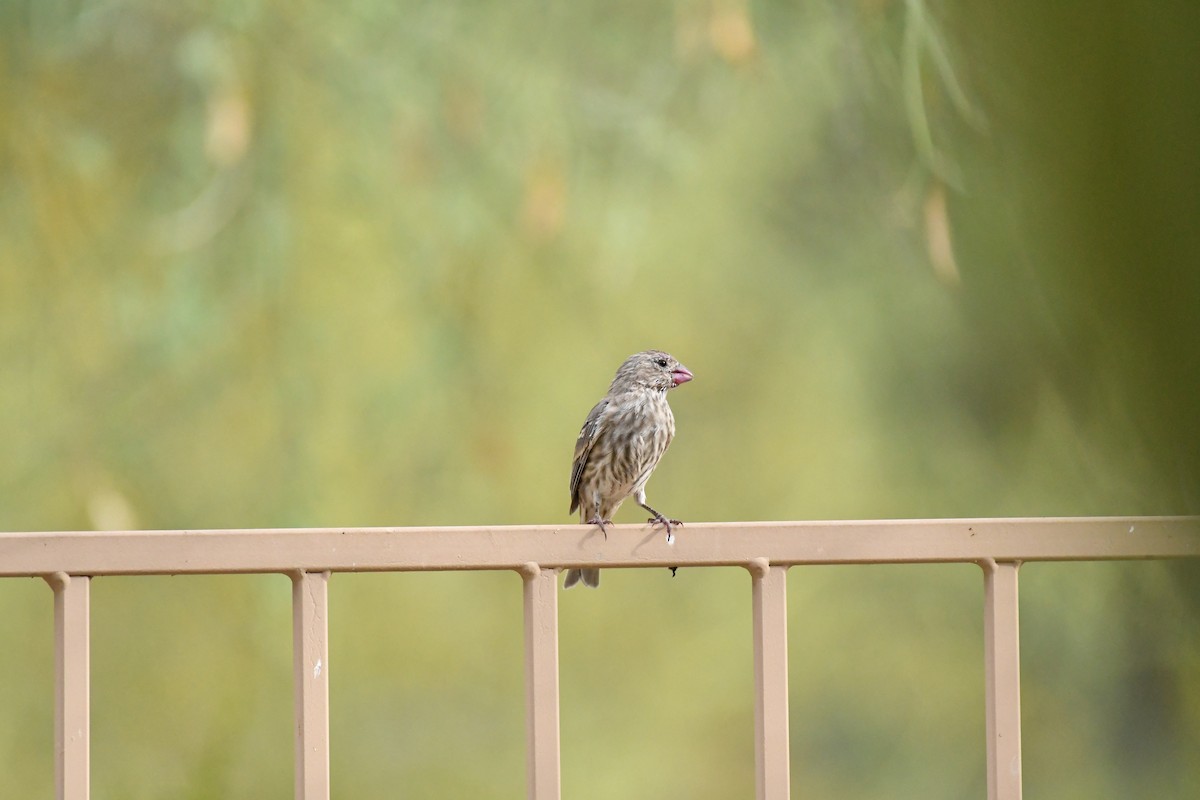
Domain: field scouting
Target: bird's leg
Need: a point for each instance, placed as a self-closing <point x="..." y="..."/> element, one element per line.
<point x="659" y="519"/>
<point x="597" y="520"/>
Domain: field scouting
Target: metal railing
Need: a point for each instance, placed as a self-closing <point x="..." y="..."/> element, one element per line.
<point x="766" y="549"/>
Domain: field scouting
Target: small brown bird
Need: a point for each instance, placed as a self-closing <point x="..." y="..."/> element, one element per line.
<point x="621" y="443"/>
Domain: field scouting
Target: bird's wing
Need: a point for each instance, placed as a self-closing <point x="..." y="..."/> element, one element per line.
<point x="583" y="445"/>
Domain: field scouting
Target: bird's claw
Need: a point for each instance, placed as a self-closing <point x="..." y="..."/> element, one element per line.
<point x="669" y="524"/>
<point x="666" y="523"/>
<point x="601" y="522"/>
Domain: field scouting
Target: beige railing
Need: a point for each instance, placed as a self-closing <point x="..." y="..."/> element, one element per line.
<point x="766" y="549"/>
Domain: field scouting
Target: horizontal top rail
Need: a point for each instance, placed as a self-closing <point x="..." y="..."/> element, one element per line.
<point x="267" y="550"/>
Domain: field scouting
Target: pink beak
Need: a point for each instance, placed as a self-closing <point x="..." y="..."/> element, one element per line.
<point x="681" y="375"/>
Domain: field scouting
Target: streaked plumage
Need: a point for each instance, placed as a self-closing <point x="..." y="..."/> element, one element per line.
<point x="621" y="443"/>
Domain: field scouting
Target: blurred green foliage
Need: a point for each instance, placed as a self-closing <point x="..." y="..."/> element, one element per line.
<point x="370" y="263"/>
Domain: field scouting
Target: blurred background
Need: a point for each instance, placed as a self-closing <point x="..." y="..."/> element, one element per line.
<point x="371" y="263"/>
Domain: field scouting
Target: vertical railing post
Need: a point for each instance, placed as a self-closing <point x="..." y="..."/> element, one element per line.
<point x="72" y="667"/>
<point x="542" y="760"/>
<point x="771" y="747"/>
<point x="310" y="660"/>
<point x="1002" y="673"/>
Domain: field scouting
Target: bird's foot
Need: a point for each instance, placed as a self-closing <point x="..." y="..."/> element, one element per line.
<point x="669" y="524"/>
<point x="672" y="570"/>
<point x="596" y="520"/>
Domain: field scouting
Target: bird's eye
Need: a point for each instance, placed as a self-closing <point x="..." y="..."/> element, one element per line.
<point x="662" y="362"/>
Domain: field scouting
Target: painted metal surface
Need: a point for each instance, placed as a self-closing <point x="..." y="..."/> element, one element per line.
<point x="67" y="560"/>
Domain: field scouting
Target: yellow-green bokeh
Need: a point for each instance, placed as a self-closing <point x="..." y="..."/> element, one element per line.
<point x="369" y="263"/>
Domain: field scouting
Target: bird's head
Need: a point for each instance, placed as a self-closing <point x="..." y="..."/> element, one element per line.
<point x="650" y="369"/>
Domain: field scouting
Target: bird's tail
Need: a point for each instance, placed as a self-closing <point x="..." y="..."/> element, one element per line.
<point x="590" y="576"/>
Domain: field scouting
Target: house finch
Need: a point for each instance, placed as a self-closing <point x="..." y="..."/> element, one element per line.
<point x="621" y="442"/>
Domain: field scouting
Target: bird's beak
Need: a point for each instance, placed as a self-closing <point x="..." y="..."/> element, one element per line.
<point x="681" y="375"/>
